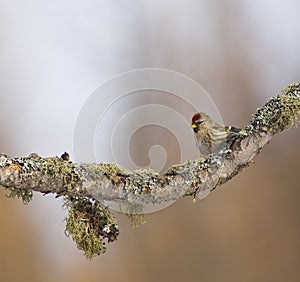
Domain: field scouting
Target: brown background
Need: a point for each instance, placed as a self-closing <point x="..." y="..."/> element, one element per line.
<point x="248" y="230"/>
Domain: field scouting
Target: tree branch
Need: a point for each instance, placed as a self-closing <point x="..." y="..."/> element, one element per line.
<point x="86" y="186"/>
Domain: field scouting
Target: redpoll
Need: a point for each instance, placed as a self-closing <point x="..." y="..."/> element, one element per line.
<point x="211" y="136"/>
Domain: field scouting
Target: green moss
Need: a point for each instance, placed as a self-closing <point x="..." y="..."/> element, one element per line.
<point x="135" y="214"/>
<point x="293" y="88"/>
<point x="136" y="220"/>
<point x="61" y="169"/>
<point x="89" y="224"/>
<point x="24" y="194"/>
<point x="112" y="169"/>
<point x="279" y="113"/>
<point x="291" y="105"/>
<point x="94" y="170"/>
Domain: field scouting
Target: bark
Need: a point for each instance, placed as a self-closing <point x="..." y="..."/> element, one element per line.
<point x="86" y="186"/>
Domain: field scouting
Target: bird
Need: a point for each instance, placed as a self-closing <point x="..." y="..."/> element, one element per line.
<point x="211" y="136"/>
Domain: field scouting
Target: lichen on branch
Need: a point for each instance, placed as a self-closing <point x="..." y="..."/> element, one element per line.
<point x="89" y="223"/>
<point x="87" y="187"/>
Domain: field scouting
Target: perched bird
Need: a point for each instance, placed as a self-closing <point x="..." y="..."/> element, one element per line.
<point x="210" y="135"/>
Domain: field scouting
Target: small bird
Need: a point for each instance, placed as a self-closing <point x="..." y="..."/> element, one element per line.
<point x="210" y="135"/>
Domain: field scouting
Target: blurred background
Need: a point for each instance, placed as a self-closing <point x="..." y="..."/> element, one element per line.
<point x="53" y="54"/>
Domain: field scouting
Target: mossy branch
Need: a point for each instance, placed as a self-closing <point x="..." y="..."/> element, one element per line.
<point x="85" y="187"/>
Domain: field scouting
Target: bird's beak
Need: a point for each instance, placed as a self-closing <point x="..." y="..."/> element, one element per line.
<point x="194" y="125"/>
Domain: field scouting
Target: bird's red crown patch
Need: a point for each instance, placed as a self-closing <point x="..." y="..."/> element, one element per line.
<point x="196" y="117"/>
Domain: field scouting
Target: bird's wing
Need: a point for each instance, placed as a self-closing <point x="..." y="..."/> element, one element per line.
<point x="219" y="132"/>
<point x="233" y="129"/>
